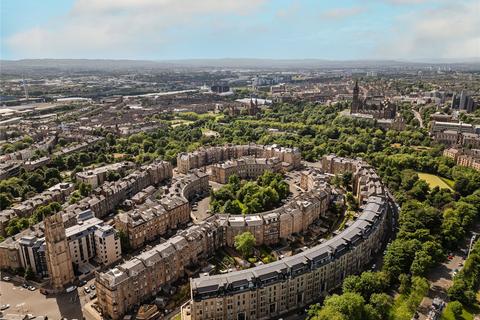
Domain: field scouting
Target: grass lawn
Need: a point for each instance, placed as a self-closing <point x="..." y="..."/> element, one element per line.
<point x="467" y="313"/>
<point x="210" y="133"/>
<point x="434" y="181"/>
<point x="421" y="148"/>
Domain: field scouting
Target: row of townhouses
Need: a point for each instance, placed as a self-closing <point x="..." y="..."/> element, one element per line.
<point x="464" y="157"/>
<point x="98" y="176"/>
<point x="154" y="270"/>
<point x="103" y="200"/>
<point x="289" y="157"/>
<point x="244" y="168"/>
<point x="109" y="195"/>
<point x="157" y="217"/>
<point x="57" y="193"/>
<point x="271" y="290"/>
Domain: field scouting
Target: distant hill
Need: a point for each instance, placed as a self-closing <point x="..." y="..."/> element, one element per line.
<point x="17" y="66"/>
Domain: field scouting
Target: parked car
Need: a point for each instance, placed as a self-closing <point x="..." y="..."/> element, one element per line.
<point x="32" y="288"/>
<point x="92" y="295"/>
<point x="86" y="289"/>
<point x="4" y="307"/>
<point x="6" y="278"/>
<point x="92" y="286"/>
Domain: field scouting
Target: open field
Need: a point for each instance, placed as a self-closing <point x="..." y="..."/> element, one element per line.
<point x="435" y="181"/>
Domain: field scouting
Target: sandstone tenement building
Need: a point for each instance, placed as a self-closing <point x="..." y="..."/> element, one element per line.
<point x="104" y="199"/>
<point x="290" y="157"/>
<point x="266" y="291"/>
<point x="244" y="168"/>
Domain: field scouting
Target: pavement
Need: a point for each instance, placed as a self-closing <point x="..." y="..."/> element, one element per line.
<point x="22" y="302"/>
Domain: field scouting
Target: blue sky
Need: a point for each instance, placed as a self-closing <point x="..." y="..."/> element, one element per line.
<point x="280" y="29"/>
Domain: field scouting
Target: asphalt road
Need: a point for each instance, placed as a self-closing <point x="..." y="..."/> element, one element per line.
<point x="22" y="302"/>
<point x="441" y="278"/>
<point x="418" y="117"/>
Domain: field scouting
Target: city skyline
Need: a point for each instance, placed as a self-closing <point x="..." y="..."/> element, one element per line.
<point x="413" y="30"/>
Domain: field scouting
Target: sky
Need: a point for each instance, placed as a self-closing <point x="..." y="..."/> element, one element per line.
<point x="412" y="30"/>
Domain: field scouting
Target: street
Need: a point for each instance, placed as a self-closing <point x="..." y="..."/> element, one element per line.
<point x="22" y="302"/>
<point x="441" y="277"/>
<point x="418" y="117"/>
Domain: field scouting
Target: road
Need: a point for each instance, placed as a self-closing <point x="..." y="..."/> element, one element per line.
<point x="23" y="301"/>
<point x="441" y="278"/>
<point x="418" y="117"/>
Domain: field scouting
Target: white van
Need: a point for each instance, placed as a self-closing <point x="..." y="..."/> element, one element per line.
<point x="70" y="289"/>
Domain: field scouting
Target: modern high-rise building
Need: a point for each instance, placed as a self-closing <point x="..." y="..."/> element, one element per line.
<point x="356" y="99"/>
<point x="59" y="260"/>
<point x="463" y="101"/>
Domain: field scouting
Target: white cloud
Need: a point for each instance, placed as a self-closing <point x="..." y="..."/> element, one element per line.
<point x="342" y="13"/>
<point x="449" y="31"/>
<point x="122" y="28"/>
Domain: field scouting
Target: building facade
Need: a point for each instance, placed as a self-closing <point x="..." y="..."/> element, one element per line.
<point x="244" y="168"/>
<point x="250" y="294"/>
<point x="377" y="107"/>
<point x="271" y="290"/>
<point x="59" y="260"/>
<point x="289" y="157"/>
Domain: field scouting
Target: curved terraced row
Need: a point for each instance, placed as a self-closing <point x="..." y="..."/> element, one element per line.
<point x="268" y="291"/>
<point x="236" y="294"/>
